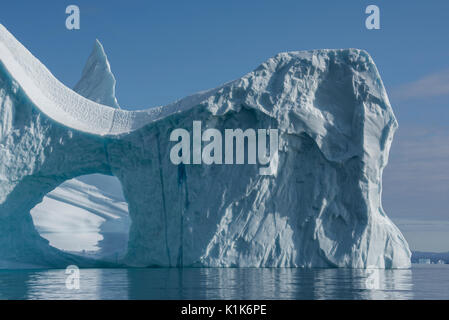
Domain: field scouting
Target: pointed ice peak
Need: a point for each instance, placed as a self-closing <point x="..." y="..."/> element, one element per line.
<point x="97" y="81"/>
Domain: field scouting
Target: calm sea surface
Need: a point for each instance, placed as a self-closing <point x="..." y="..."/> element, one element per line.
<point x="420" y="282"/>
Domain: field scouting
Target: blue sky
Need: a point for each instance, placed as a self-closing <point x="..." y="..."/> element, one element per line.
<point x="164" y="50"/>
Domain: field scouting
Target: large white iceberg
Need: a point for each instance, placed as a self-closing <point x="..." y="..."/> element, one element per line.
<point x="320" y="208"/>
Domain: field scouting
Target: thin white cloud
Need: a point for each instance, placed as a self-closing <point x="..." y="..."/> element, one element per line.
<point x="433" y="85"/>
<point x="425" y="235"/>
<point x="419" y="164"/>
<point x="416" y="186"/>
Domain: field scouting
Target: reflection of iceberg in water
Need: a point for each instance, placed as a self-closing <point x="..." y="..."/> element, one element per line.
<point x="384" y="284"/>
<point x="95" y="284"/>
<point x="307" y="284"/>
<point x="377" y="284"/>
<point x="398" y="284"/>
<point x="225" y="283"/>
<point x="13" y="285"/>
<point x="51" y="284"/>
<point x="267" y="283"/>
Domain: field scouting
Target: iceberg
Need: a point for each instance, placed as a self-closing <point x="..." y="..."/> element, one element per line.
<point x="320" y="207"/>
<point x="88" y="215"/>
<point x="97" y="82"/>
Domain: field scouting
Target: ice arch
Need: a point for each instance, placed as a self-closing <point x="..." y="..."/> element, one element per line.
<point x="321" y="208"/>
<point x="87" y="215"/>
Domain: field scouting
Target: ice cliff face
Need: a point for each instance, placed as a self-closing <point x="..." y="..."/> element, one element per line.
<point x="321" y="208"/>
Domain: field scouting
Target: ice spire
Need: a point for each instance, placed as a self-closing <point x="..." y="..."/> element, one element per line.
<point x="97" y="82"/>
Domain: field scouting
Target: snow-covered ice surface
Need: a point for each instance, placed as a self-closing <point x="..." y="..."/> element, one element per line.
<point x="63" y="105"/>
<point x="321" y="208"/>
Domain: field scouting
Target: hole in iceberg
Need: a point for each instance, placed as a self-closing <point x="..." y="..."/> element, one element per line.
<point x="87" y="216"/>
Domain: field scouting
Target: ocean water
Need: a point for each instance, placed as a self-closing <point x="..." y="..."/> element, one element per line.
<point x="419" y="282"/>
